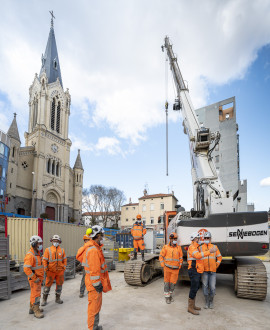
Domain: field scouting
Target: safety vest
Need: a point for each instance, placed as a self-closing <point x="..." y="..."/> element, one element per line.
<point x="195" y="257"/>
<point x="55" y="259"/>
<point x="96" y="271"/>
<point x="211" y="262"/>
<point x="138" y="231"/>
<point x="171" y="256"/>
<point x="33" y="266"/>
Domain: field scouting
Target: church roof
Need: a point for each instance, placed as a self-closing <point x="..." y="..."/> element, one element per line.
<point x="13" y="131"/>
<point x="78" y="163"/>
<point x="50" y="60"/>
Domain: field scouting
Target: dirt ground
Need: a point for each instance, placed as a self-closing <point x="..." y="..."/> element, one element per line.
<point x="127" y="307"/>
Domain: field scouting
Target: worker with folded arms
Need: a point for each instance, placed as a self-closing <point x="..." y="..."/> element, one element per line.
<point x="195" y="257"/>
<point x="138" y="231"/>
<point x="55" y="262"/>
<point x="34" y="270"/>
<point x="211" y="264"/>
<point x="96" y="277"/>
<point x="79" y="257"/>
<point x="171" y="259"/>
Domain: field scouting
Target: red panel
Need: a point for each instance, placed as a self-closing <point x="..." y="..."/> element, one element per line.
<point x="40" y="227"/>
<point x="5" y="226"/>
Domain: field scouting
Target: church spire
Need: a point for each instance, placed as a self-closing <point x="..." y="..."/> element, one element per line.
<point x="13" y="131"/>
<point x="78" y="163"/>
<point x="50" y="60"/>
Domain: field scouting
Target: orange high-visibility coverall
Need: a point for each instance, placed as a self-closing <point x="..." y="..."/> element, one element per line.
<point x="96" y="273"/>
<point x="171" y="259"/>
<point x="55" y="262"/>
<point x="81" y="252"/>
<point x="195" y="253"/>
<point x="213" y="260"/>
<point x="138" y="231"/>
<point x="34" y="270"/>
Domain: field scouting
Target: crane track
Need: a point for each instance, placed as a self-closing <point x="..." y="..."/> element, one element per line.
<point x="251" y="280"/>
<point x="141" y="273"/>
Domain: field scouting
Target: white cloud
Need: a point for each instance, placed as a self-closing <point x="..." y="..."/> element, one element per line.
<point x="265" y="182"/>
<point x="115" y="71"/>
<point x="111" y="145"/>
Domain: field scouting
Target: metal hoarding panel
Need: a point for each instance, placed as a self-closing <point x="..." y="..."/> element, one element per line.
<point x="20" y="230"/>
<point x="71" y="235"/>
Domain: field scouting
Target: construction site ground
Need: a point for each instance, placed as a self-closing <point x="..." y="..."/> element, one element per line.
<point x="139" y="308"/>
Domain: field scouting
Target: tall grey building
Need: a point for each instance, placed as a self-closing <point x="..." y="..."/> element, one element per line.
<point x="221" y="116"/>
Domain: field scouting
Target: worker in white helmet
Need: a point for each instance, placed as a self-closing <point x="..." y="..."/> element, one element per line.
<point x="55" y="262"/>
<point x="34" y="270"/>
<point x="195" y="257"/>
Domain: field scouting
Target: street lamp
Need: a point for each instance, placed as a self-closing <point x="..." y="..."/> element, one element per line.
<point x="33" y="191"/>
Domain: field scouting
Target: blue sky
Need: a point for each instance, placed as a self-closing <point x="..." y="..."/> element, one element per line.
<point x="112" y="63"/>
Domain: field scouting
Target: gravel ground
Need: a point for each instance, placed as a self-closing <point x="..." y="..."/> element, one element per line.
<point x="127" y="307"/>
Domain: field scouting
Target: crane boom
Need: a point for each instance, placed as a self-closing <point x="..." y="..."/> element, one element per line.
<point x="209" y="195"/>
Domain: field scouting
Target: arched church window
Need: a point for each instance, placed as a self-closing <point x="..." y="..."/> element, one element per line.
<point x="58" y="117"/>
<point x="49" y="165"/>
<point x="53" y="114"/>
<point x="57" y="169"/>
<point x="53" y="167"/>
<point x="35" y="111"/>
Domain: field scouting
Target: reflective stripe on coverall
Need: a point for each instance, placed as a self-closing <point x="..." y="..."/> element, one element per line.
<point x="54" y="261"/>
<point x="138" y="231"/>
<point x="171" y="259"/>
<point x="96" y="273"/>
<point x="34" y="270"/>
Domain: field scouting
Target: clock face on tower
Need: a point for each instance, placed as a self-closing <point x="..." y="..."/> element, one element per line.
<point x="54" y="148"/>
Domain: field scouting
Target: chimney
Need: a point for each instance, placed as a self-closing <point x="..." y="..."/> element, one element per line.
<point x="145" y="192"/>
<point x="130" y="200"/>
<point x="172" y="192"/>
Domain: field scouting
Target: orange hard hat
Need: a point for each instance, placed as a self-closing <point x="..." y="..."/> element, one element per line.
<point x="139" y="217"/>
<point x="173" y="235"/>
<point x="86" y="237"/>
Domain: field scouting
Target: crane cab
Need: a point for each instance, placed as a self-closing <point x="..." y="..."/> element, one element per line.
<point x="177" y="105"/>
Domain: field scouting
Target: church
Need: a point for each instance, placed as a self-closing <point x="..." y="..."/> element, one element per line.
<point x="40" y="179"/>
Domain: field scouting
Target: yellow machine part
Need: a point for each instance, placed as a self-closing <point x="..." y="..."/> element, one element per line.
<point x="124" y="253"/>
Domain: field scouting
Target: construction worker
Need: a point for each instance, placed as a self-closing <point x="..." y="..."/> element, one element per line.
<point x="55" y="262"/>
<point x="195" y="269"/>
<point x="171" y="259"/>
<point x="34" y="270"/>
<point x="211" y="264"/>
<point x="138" y="231"/>
<point x="96" y="277"/>
<point x="79" y="257"/>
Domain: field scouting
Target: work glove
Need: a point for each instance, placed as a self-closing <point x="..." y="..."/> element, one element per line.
<point x="99" y="288"/>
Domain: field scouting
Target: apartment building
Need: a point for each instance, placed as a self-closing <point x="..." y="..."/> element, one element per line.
<point x="151" y="208"/>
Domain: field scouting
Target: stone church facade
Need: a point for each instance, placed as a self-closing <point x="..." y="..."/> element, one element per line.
<point x="40" y="179"/>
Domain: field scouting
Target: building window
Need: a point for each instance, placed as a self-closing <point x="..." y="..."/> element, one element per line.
<point x="58" y="117"/>
<point x="35" y="111"/>
<point x="144" y="220"/>
<point x="10" y="186"/>
<point x="152" y="220"/>
<point x="24" y="164"/>
<point x="144" y="207"/>
<point x="133" y="219"/>
<point x="53" y="114"/>
<point x="152" y="207"/>
<point x="57" y="169"/>
<point x="217" y="158"/>
<point x="53" y="167"/>
<point x="13" y="152"/>
<point x="49" y="166"/>
<point x="126" y="219"/>
<point x="162" y="206"/>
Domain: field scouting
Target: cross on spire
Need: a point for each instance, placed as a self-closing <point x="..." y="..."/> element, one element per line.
<point x="51" y="12"/>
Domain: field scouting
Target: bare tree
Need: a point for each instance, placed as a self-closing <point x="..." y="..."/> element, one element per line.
<point x="103" y="202"/>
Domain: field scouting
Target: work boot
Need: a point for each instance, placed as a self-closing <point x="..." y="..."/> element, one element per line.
<point x="191" y="309"/>
<point x="134" y="256"/>
<point x="211" y="302"/>
<point x="168" y="300"/>
<point x="142" y="252"/>
<point x="206" y="302"/>
<point x="31" y="309"/>
<point x="195" y="307"/>
<point x="57" y="298"/>
<point x="37" y="313"/>
<point x="99" y="327"/>
<point x="81" y="295"/>
<point x="44" y="300"/>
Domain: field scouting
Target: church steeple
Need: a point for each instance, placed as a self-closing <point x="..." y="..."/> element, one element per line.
<point x="50" y="60"/>
<point x="13" y="131"/>
<point x="78" y="162"/>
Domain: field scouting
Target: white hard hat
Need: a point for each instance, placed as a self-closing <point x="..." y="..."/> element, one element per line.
<point x="57" y="237"/>
<point x="96" y="230"/>
<point x="34" y="240"/>
<point x="194" y="235"/>
<point x="207" y="234"/>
